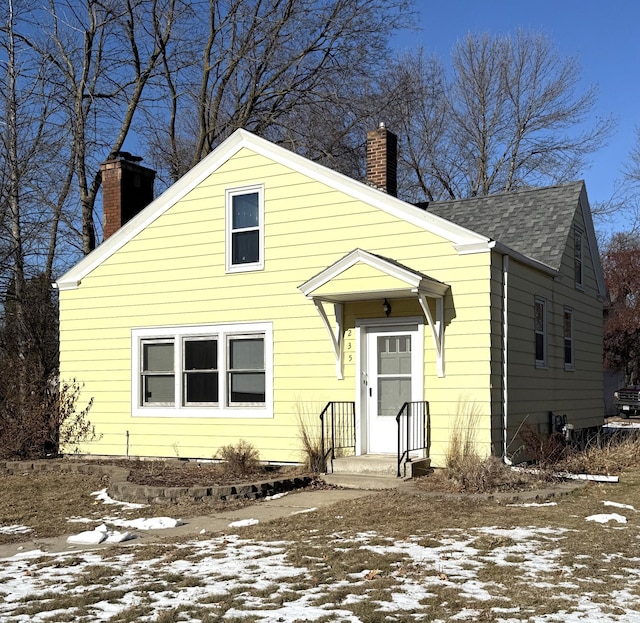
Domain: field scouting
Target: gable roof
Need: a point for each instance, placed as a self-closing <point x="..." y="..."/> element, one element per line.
<point x="533" y="222"/>
<point x="408" y="278"/>
<point x="460" y="236"/>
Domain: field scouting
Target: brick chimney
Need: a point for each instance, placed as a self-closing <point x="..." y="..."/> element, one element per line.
<point x="382" y="160"/>
<point x="127" y="188"/>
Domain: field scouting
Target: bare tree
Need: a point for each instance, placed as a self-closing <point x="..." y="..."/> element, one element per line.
<point x="508" y="115"/>
<point x="103" y="55"/>
<point x="271" y="67"/>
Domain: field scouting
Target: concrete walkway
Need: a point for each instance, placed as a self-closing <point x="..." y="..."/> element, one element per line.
<point x="217" y="522"/>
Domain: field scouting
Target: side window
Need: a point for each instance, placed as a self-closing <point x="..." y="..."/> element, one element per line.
<point x="246" y="370"/>
<point x="577" y="254"/>
<point x="568" y="339"/>
<point x="540" y="331"/>
<point x="244" y="229"/>
<point x="157" y="375"/>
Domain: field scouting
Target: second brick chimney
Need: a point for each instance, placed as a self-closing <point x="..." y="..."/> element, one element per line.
<point x="382" y="160"/>
<point x="127" y="188"/>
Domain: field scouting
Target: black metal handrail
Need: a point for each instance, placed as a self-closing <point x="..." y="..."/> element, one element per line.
<point x="414" y="430"/>
<point x="338" y="425"/>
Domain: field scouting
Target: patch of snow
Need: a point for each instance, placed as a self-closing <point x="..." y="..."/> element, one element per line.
<point x="14" y="529"/>
<point x="240" y="523"/>
<point x="534" y="504"/>
<point x="275" y="496"/>
<point x="103" y="496"/>
<point x="88" y="537"/>
<point x="149" y="523"/>
<point x="306" y="510"/>
<point x="604" y="518"/>
<point x="618" y="505"/>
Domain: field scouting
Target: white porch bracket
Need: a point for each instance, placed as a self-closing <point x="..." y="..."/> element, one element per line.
<point x="437" y="327"/>
<point x="335" y="333"/>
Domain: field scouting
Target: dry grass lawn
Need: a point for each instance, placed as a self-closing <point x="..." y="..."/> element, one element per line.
<point x="399" y="556"/>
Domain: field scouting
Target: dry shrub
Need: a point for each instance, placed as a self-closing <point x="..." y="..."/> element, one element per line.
<point x="480" y="475"/>
<point x="242" y="459"/>
<point x="545" y="450"/>
<point x="311" y="439"/>
<point x="616" y="454"/>
<point x="466" y="470"/>
<point x="43" y="418"/>
<point x="462" y="441"/>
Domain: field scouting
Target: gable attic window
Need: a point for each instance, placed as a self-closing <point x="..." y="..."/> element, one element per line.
<point x="203" y="371"/>
<point x="245" y="229"/>
<point x="577" y="255"/>
<point x="540" y="330"/>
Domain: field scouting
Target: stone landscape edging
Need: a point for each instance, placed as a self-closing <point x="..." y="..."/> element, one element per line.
<point x="119" y="488"/>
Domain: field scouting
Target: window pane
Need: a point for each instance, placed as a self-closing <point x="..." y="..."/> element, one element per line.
<point x="392" y="394"/>
<point x="394" y="355"/>
<point x="246" y="354"/>
<point x="568" y="352"/>
<point x="539" y="316"/>
<point x="201" y="355"/>
<point x="245" y="211"/>
<point x="157" y="357"/>
<point x="247" y="386"/>
<point x="159" y="388"/>
<point x="539" y="347"/>
<point x="201" y="387"/>
<point x="245" y="247"/>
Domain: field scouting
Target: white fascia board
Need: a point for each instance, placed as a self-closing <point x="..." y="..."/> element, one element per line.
<point x="592" y="241"/>
<point x="523" y="259"/>
<point x="72" y="278"/>
<point x="238" y="140"/>
<point x="361" y="191"/>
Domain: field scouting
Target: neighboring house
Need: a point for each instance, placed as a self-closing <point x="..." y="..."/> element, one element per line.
<point x="263" y="286"/>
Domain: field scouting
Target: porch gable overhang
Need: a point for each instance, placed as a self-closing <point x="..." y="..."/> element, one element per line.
<point x="364" y="276"/>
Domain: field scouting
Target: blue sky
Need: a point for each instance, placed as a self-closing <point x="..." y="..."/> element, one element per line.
<point x="603" y="35"/>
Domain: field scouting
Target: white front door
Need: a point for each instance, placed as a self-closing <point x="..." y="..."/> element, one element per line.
<point x="393" y="377"/>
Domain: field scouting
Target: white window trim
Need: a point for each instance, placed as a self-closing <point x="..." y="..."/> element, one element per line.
<point x="541" y="363"/>
<point x="221" y="410"/>
<point x="229" y="194"/>
<point x="572" y="365"/>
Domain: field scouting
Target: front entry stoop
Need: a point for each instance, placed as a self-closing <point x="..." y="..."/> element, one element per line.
<point x="372" y="471"/>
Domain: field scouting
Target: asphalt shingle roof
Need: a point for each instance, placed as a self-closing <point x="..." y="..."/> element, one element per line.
<point x="534" y="222"/>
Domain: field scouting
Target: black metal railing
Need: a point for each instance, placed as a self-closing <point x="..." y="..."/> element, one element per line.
<point x="338" y="424"/>
<point x="414" y="429"/>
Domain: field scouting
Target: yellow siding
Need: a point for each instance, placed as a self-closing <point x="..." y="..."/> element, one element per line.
<point x="173" y="274"/>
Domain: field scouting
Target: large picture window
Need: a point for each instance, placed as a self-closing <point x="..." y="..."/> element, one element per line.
<point x="245" y="235"/>
<point x="223" y="370"/>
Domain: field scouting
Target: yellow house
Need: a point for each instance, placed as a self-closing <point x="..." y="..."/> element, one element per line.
<point x="263" y="290"/>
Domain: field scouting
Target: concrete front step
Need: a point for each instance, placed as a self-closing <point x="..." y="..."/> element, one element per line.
<point x="364" y="482"/>
<point x="377" y="464"/>
<point x="384" y="465"/>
